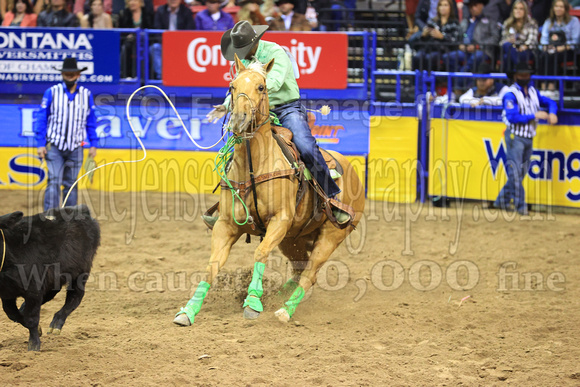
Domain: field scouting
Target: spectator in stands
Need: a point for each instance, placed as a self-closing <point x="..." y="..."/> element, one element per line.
<point x="56" y="15"/>
<point x="83" y="7"/>
<point x="540" y="10"/>
<point x="120" y="5"/>
<point x="250" y="12"/>
<point x="21" y="15"/>
<point x="498" y="10"/>
<point x="440" y="36"/>
<point x="519" y="36"/>
<point x="486" y="92"/>
<point x="97" y="17"/>
<point x="480" y="38"/>
<point x="311" y="17"/>
<point x="288" y="19"/>
<point x="269" y="10"/>
<point x="427" y="9"/>
<point x="410" y="9"/>
<point x="213" y="19"/>
<point x="560" y="35"/>
<point x="136" y="15"/>
<point x="172" y="16"/>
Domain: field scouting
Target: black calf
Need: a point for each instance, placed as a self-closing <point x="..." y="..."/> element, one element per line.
<point x="43" y="253"/>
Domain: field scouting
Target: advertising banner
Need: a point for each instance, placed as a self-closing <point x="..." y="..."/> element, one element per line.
<point x="193" y="58"/>
<point x="31" y="54"/>
<point x="158" y="128"/>
<point x="392" y="162"/>
<point x="468" y="159"/>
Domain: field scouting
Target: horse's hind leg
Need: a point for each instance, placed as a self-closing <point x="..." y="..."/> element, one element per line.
<point x="223" y="237"/>
<point x="277" y="229"/>
<point x="329" y="238"/>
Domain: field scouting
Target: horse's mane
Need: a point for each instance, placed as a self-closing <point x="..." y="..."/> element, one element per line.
<point x="255" y="66"/>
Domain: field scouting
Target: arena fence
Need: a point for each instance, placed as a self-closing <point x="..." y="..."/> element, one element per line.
<point x="406" y="147"/>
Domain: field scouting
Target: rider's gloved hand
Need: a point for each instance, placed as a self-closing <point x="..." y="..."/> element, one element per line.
<point x="218" y="112"/>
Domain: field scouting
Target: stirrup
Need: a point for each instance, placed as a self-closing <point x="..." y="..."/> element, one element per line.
<point x="208" y="218"/>
<point x="340" y="214"/>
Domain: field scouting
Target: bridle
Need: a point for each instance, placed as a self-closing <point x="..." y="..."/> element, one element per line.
<point x="254" y="113"/>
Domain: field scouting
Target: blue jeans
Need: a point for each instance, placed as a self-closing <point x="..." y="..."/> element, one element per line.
<point x="511" y="57"/>
<point x="293" y="116"/>
<point x="156" y="59"/>
<point x="465" y="62"/>
<point x="519" y="150"/>
<point x="63" y="169"/>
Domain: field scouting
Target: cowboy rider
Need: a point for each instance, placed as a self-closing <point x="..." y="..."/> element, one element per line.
<point x="245" y="41"/>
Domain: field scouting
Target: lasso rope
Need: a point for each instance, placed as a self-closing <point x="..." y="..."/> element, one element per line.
<point x="221" y="161"/>
<point x="139" y="140"/>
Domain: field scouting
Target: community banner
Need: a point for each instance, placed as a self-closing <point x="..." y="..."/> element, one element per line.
<point x="193" y="58"/>
<point x="31" y="54"/>
<point x="468" y="160"/>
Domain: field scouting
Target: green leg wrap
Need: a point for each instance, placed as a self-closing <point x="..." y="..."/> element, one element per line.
<point x="294" y="300"/>
<point x="194" y="305"/>
<point x="288" y="287"/>
<point x="255" y="290"/>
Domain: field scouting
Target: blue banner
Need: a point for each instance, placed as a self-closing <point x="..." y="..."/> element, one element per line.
<point x="157" y="126"/>
<point x="31" y="54"/>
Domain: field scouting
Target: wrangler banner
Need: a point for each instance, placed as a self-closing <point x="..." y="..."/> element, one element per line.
<point x="31" y="54"/>
<point x="192" y="58"/>
<point x="468" y="159"/>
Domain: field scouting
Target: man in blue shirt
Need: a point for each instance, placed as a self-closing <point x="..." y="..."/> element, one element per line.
<point x="65" y="118"/>
<point x="521" y="113"/>
<point x="212" y="18"/>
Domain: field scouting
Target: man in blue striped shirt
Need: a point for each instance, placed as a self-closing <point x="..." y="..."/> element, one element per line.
<point x="66" y="116"/>
<point x="521" y="113"/>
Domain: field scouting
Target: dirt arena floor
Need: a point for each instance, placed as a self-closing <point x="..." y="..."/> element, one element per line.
<point x="388" y="309"/>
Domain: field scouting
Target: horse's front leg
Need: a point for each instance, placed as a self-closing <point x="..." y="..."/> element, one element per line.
<point x="275" y="233"/>
<point x="223" y="237"/>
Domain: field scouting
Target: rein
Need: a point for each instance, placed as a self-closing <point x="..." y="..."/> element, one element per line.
<point x="226" y="153"/>
<point x="251" y="167"/>
<point x="3" y="249"/>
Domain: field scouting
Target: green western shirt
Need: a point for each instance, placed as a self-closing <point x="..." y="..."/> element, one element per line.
<point x="280" y="81"/>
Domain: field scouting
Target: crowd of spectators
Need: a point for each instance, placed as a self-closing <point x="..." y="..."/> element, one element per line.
<point x="499" y="33"/>
<point x="444" y="34"/>
<point x="207" y="15"/>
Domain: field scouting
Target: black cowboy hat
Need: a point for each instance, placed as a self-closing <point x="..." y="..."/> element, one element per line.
<point x="241" y="3"/>
<point x="70" y="65"/>
<point x="484" y="68"/>
<point x="241" y="39"/>
<point x="278" y="2"/>
<point x="468" y="3"/>
<point x="523" y="67"/>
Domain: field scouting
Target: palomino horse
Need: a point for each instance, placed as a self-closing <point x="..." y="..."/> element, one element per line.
<point x="307" y="242"/>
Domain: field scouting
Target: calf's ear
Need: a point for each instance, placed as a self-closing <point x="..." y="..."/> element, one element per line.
<point x="10" y="220"/>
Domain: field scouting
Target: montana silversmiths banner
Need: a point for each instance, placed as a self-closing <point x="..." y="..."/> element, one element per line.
<point x="31" y="54"/>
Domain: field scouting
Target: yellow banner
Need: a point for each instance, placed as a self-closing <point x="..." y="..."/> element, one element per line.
<point x="392" y="164"/>
<point x="161" y="171"/>
<point x="467" y="160"/>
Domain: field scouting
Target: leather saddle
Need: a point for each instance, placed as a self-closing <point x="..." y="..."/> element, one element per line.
<point x="284" y="138"/>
